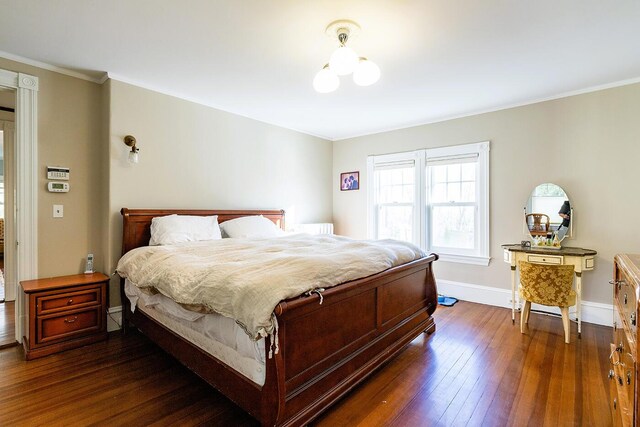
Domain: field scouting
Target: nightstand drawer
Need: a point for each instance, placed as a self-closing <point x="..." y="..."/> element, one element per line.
<point x="69" y="324"/>
<point x="67" y="301"/>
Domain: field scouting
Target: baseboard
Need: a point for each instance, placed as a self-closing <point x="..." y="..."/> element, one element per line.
<point x="592" y="312"/>
<point x="114" y="318"/>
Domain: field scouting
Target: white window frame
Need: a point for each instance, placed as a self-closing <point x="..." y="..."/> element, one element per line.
<point x="372" y="212"/>
<point x="422" y="207"/>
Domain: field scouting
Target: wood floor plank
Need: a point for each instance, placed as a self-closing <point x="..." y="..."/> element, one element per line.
<point x="476" y="369"/>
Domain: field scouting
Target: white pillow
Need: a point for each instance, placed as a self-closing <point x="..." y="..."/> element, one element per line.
<point x="172" y="229"/>
<point x="250" y="226"/>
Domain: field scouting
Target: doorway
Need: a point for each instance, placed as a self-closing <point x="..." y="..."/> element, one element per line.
<point x="7" y="219"/>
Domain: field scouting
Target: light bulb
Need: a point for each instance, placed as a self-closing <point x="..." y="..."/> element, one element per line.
<point x="326" y="81"/>
<point x="343" y="61"/>
<point x="366" y="73"/>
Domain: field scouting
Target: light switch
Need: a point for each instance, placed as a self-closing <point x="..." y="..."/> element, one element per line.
<point x="58" y="211"/>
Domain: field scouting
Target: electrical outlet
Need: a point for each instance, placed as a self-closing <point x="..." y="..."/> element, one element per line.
<point x="58" y="211"/>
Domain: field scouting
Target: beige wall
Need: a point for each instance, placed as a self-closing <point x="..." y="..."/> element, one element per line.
<point x="69" y="123"/>
<point x="588" y="144"/>
<point x="192" y="156"/>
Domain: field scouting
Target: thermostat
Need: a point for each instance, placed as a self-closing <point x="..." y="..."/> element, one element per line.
<point x="57" y="172"/>
<point x="58" y="187"/>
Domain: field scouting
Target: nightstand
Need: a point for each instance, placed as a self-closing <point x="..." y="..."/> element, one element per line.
<point x="64" y="312"/>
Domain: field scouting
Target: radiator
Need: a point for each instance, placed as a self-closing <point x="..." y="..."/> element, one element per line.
<point x="318" y="228"/>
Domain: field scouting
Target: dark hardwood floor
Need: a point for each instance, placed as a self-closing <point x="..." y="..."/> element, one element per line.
<point x="476" y="369"/>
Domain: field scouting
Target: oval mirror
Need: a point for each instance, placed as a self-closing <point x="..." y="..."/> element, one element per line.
<point x="548" y="215"/>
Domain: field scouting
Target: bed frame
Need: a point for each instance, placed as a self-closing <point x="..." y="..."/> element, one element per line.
<point x="325" y="350"/>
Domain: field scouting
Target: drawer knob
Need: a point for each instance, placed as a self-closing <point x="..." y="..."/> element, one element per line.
<point x="611" y="374"/>
<point x="625" y="299"/>
<point x="70" y="301"/>
<point x="70" y="320"/>
<point x="615" y="403"/>
<point x="633" y="319"/>
<point x="629" y="377"/>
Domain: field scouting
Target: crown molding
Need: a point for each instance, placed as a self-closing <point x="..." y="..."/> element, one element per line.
<point x="178" y="95"/>
<point x="54" y="68"/>
<point x="499" y="108"/>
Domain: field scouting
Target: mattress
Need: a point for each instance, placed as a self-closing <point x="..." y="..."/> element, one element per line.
<point x="217" y="335"/>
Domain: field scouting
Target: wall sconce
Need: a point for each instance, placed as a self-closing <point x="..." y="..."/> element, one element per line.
<point x="130" y="141"/>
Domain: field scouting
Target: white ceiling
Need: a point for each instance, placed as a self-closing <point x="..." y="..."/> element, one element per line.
<point x="439" y="59"/>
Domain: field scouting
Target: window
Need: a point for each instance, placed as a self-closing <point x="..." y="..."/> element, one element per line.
<point x="396" y="200"/>
<point x="435" y="198"/>
<point x="547" y="198"/>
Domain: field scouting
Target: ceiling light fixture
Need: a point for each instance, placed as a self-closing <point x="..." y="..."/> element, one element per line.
<point x="345" y="61"/>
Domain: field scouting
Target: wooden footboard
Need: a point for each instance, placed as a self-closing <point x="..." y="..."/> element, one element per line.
<point x="329" y="348"/>
<point x="325" y="349"/>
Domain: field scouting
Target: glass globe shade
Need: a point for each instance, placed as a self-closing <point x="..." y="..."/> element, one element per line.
<point x="366" y="73"/>
<point x="133" y="157"/>
<point x="326" y="81"/>
<point x="343" y="61"/>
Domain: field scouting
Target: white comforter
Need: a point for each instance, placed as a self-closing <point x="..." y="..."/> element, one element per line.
<point x="246" y="278"/>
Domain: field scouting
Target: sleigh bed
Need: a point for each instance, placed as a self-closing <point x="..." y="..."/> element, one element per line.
<point x="325" y="349"/>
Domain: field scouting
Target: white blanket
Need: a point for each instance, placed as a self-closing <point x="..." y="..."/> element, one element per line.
<point x="246" y="278"/>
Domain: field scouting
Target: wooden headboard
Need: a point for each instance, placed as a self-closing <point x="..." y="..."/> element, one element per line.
<point x="136" y="226"/>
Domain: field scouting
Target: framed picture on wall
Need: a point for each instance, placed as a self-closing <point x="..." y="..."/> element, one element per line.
<point x="350" y="181"/>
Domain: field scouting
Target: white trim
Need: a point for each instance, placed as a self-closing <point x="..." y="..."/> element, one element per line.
<point x="114" y="318"/>
<point x="494" y="109"/>
<point x="51" y="67"/>
<point x="480" y="254"/>
<point x="371" y="217"/>
<point x="592" y="312"/>
<point x="26" y="201"/>
<point x="465" y="259"/>
<point x="10" y="267"/>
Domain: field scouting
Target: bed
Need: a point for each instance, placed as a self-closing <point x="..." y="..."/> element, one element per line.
<point x="325" y="349"/>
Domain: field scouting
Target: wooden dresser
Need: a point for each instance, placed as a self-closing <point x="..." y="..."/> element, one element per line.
<point x="64" y="312"/>
<point x="624" y="350"/>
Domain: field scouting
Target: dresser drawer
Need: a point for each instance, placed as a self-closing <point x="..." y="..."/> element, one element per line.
<point x="625" y="297"/>
<point x="47" y="304"/>
<point x="69" y="324"/>
<point x="546" y="259"/>
<point x="622" y="382"/>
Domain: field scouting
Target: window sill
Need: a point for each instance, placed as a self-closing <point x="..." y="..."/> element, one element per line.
<point x="466" y="259"/>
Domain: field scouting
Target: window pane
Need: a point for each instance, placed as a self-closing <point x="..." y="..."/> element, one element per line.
<point x="453" y="172"/>
<point x="454" y="182"/>
<point x="453" y="192"/>
<point x="453" y="226"/>
<point x="549" y="205"/>
<point x="439" y="173"/>
<point x="396" y="185"/>
<point x="468" y="192"/>
<point x="395" y="222"/>
<point x="439" y="193"/>
<point x="468" y="171"/>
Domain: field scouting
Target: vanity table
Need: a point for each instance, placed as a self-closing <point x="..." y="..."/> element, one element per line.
<point x="581" y="259"/>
